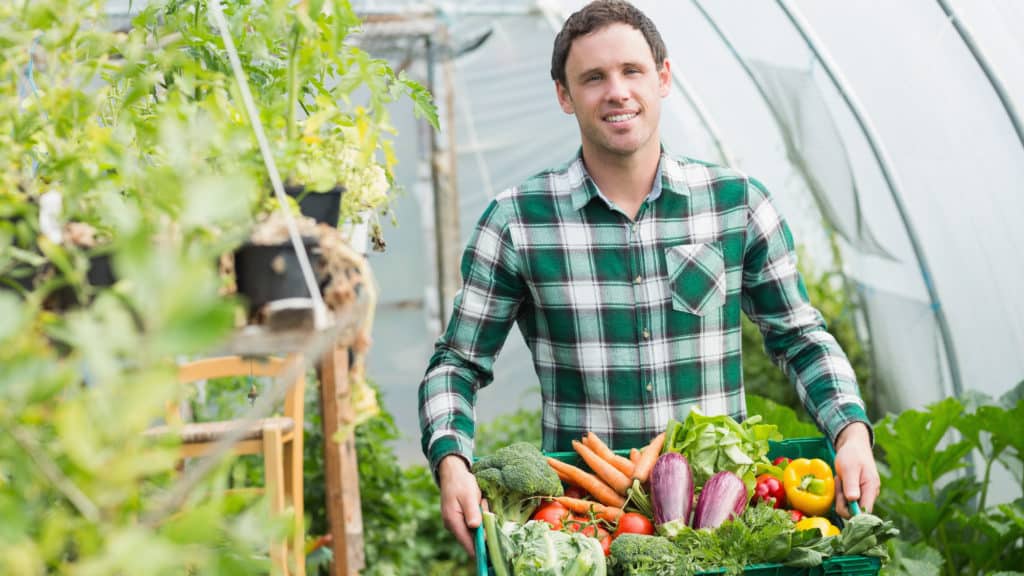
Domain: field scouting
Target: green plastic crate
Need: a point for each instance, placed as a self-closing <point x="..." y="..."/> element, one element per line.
<point x="794" y="448"/>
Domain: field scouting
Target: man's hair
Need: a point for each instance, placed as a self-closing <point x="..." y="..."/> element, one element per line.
<point x="594" y="17"/>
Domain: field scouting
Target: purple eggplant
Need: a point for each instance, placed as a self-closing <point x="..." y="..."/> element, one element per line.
<point x="671" y="489"/>
<point x="724" y="496"/>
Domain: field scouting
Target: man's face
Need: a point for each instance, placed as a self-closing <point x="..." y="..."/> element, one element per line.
<point x="615" y="89"/>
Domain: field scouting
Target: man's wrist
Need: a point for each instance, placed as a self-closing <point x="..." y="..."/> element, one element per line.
<point x="854" y="431"/>
<point x="449" y="464"/>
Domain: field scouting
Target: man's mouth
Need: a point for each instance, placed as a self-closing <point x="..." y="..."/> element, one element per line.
<point x="621" y="117"/>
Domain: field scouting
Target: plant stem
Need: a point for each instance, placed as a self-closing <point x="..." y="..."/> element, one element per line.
<point x="943" y="539"/>
<point x="293" y="84"/>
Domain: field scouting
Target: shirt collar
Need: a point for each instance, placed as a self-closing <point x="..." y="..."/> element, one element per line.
<point x="587" y="189"/>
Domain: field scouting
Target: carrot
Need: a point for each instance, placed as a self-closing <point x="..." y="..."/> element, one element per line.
<point x="592" y="484"/>
<point x="580" y="506"/>
<point x="648" y="456"/>
<point x="604" y="470"/>
<point x="634" y="456"/>
<point x="601" y="449"/>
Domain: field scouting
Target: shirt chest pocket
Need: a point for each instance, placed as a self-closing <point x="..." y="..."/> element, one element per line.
<point x="696" y="277"/>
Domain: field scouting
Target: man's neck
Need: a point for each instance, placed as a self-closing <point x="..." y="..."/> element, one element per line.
<point x="625" y="180"/>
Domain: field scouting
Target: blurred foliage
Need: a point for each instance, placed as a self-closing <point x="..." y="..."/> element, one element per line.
<point x="142" y="135"/>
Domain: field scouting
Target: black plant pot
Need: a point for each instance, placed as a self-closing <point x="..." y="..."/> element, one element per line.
<point x="324" y="207"/>
<point x="267" y="273"/>
<point x="99" y="275"/>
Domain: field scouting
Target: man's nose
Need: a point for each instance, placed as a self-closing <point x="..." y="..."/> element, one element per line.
<point x="618" y="91"/>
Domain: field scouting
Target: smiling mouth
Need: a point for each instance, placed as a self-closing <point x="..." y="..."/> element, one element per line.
<point x="621" y="117"/>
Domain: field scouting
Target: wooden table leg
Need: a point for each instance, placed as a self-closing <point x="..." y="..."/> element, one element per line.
<point x="344" y="514"/>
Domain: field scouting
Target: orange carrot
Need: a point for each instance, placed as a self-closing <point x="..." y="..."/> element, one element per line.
<point x="594" y="442"/>
<point x="634" y="456"/>
<point x="592" y="484"/>
<point x="604" y="470"/>
<point x="580" y="506"/>
<point x="648" y="456"/>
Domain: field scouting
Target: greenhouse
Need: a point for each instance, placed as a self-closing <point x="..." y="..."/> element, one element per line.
<point x="234" y="233"/>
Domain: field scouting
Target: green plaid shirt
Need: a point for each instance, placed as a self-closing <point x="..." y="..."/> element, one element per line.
<point x="631" y="323"/>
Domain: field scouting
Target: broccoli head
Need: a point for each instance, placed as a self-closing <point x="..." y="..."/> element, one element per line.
<point x="513" y="478"/>
<point x="637" y="554"/>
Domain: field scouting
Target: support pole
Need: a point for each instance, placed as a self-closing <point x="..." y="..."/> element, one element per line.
<point x="891" y="180"/>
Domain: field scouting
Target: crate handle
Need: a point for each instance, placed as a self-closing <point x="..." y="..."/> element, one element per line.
<point x="481" y="550"/>
<point x="854" y="508"/>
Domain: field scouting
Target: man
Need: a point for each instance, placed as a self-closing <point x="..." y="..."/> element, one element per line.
<point x="626" y="270"/>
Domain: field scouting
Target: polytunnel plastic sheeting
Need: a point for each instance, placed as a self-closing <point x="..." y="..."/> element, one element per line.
<point x="912" y="354"/>
<point x="960" y="164"/>
<point x="814" y="146"/>
<point x="954" y="154"/>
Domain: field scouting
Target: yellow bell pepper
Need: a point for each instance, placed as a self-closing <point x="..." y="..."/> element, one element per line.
<point x="810" y="487"/>
<point x="822" y="524"/>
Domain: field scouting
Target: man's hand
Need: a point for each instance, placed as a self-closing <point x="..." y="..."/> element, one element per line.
<point x="460" y="500"/>
<point x="856" y="473"/>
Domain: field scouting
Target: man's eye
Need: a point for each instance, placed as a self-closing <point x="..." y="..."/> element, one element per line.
<point x="632" y="71"/>
<point x="593" y="78"/>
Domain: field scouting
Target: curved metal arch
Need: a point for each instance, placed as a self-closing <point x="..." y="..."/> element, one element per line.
<point x="891" y="180"/>
<point x="986" y="67"/>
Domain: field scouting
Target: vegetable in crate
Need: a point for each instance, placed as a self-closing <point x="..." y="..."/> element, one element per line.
<point x="867" y="534"/>
<point x="715" y="443"/>
<point x="817" y="522"/>
<point x="769" y="489"/>
<point x="724" y="497"/>
<point x="536" y="550"/>
<point x="810" y="487"/>
<point x="639" y="555"/>
<point x="513" y="480"/>
<point x="671" y="493"/>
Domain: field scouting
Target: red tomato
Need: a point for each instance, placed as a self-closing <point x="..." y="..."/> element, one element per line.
<point x="634" y="523"/>
<point x="553" y="513"/>
<point x="781" y="462"/>
<point x="606" y="544"/>
<point x="575" y="492"/>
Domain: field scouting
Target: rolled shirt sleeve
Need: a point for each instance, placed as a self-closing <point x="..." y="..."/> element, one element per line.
<point x="483" y="313"/>
<point x="775" y="299"/>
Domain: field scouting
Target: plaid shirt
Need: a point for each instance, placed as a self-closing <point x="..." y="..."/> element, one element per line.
<point x="631" y="323"/>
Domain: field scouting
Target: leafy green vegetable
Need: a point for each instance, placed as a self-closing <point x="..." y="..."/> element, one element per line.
<point x="866" y="534"/>
<point x="537" y="550"/>
<point x="760" y="535"/>
<point x="715" y="443"/>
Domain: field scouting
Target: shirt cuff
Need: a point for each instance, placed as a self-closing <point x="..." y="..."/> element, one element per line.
<point x="848" y="414"/>
<point x="446" y="446"/>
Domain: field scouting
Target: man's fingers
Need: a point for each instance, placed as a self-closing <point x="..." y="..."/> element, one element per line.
<point x="849" y="484"/>
<point x="471" y="508"/>
<point x="842" y="508"/>
<point x="455" y="522"/>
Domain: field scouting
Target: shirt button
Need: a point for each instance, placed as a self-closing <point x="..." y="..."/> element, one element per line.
<point x="637" y="280"/>
<point x="647" y="334"/>
<point x="650" y="387"/>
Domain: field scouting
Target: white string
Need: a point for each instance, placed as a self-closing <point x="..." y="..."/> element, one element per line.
<point x="319" y="309"/>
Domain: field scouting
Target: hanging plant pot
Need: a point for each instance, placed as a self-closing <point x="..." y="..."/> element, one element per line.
<point x="99" y="275"/>
<point x="324" y="207"/>
<point x="267" y="273"/>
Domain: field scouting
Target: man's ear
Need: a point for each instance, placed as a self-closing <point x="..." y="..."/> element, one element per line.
<point x="564" y="98"/>
<point x="665" y="78"/>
